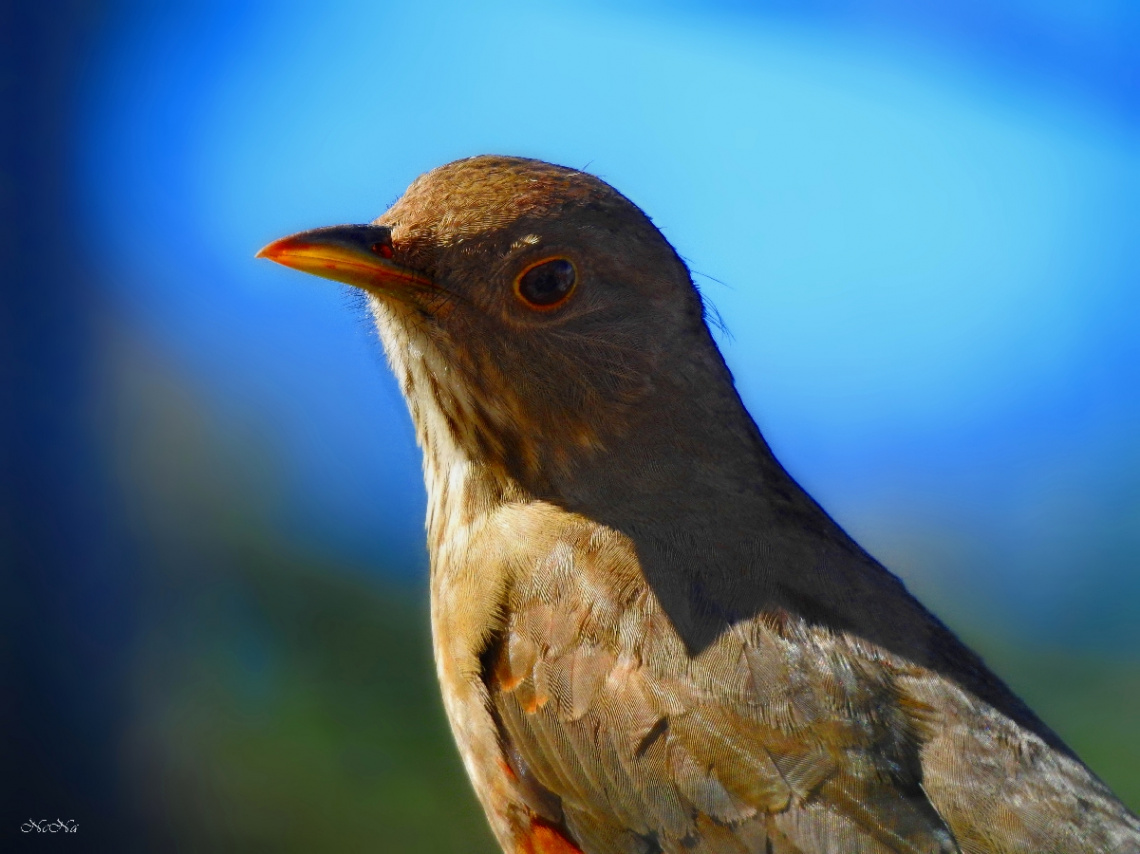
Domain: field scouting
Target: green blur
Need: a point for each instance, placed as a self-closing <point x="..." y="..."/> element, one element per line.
<point x="331" y="737"/>
<point x="343" y="746"/>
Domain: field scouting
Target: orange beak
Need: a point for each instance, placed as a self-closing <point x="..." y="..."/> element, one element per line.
<point x="358" y="255"/>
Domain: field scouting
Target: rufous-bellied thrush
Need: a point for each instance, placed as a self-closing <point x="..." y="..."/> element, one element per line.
<point x="648" y="636"/>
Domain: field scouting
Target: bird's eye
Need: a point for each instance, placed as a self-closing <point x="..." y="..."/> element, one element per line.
<point x="547" y="284"/>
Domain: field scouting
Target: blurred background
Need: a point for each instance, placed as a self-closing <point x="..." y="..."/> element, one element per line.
<point x="920" y="223"/>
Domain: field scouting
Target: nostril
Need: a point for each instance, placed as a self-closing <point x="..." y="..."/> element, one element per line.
<point x="383" y="249"/>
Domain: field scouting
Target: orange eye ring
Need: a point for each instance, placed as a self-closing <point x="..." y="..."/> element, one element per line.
<point x="546" y="284"/>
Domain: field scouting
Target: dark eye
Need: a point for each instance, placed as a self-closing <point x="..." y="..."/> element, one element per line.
<point x="546" y="284"/>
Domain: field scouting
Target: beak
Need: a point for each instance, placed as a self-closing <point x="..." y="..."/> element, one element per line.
<point x="359" y="255"/>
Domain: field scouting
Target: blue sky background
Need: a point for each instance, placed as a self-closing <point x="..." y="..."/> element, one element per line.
<point x="921" y="231"/>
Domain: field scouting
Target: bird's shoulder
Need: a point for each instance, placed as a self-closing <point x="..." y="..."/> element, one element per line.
<point x="782" y="732"/>
<point x="775" y="733"/>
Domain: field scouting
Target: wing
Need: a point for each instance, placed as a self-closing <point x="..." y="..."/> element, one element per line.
<point x="779" y="737"/>
<point x="1001" y="789"/>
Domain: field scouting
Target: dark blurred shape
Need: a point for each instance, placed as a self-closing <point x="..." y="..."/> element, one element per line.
<point x="67" y="583"/>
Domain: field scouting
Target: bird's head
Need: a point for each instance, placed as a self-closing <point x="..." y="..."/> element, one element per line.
<point x="533" y="315"/>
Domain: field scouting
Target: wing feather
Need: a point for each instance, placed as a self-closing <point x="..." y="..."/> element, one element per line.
<point x="770" y="739"/>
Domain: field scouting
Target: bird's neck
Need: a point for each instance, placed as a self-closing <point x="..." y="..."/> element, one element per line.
<point x="688" y="464"/>
<point x="692" y="454"/>
<point x="711" y="515"/>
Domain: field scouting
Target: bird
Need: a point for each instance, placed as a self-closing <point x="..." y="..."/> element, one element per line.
<point x="649" y="638"/>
